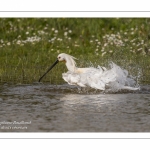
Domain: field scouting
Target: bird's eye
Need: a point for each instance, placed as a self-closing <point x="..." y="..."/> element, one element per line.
<point x="59" y="57"/>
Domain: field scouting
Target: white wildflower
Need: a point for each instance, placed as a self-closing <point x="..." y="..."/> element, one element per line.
<point x="8" y="43"/>
<point x="105" y="44"/>
<point x="76" y="45"/>
<point x="41" y="32"/>
<point x="19" y="36"/>
<point x="56" y="31"/>
<point x="65" y="33"/>
<point x="138" y="44"/>
<point x="103" y="54"/>
<point x="133" y="40"/>
<point x="18" y="42"/>
<point x="140" y="49"/>
<point x="142" y="42"/>
<point x="70" y="31"/>
<point x="59" y="39"/>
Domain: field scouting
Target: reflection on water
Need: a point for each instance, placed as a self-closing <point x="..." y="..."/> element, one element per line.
<point x="63" y="108"/>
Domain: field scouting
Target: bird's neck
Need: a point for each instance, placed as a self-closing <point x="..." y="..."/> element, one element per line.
<point x="71" y="65"/>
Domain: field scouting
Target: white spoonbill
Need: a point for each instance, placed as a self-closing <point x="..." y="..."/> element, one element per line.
<point x="100" y="78"/>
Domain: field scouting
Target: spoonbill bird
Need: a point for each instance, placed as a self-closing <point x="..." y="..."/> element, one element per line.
<point x="97" y="78"/>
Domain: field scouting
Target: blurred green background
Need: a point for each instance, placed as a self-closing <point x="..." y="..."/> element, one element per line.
<point x="28" y="46"/>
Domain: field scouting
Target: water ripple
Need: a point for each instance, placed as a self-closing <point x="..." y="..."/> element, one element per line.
<point x="64" y="108"/>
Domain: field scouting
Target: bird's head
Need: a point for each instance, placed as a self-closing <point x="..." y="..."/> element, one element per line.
<point x="61" y="57"/>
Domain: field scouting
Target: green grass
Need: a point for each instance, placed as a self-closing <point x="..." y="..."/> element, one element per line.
<point x="28" y="46"/>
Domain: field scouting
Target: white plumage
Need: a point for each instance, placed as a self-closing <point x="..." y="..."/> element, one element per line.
<point x="114" y="79"/>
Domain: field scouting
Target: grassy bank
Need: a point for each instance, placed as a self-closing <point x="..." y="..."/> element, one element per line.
<point x="29" y="46"/>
